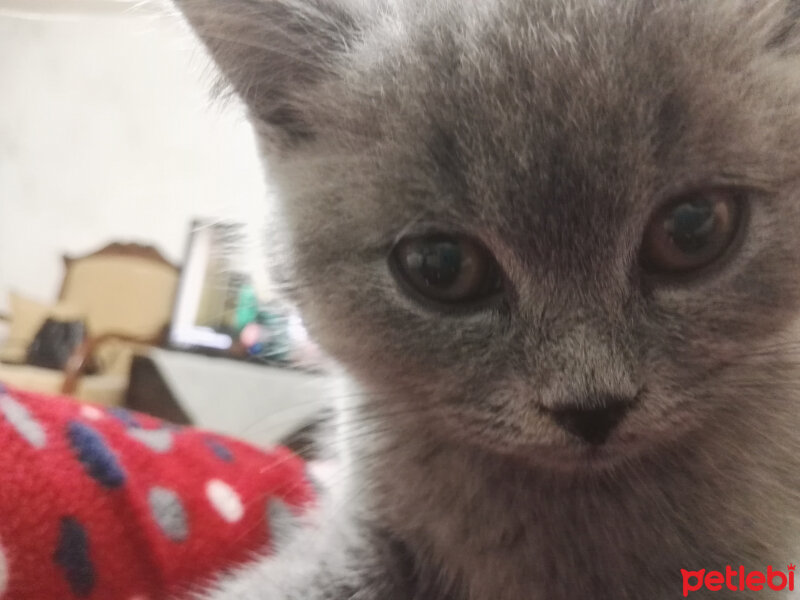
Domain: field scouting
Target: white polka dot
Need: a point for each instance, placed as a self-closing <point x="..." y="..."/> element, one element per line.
<point x="158" y="440"/>
<point x="21" y="419"/>
<point x="91" y="413"/>
<point x="225" y="500"/>
<point x="3" y="572"/>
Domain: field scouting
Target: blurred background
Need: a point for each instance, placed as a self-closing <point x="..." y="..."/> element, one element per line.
<point x="133" y="212"/>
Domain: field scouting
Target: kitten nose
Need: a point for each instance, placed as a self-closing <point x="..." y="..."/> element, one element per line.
<point x="594" y="423"/>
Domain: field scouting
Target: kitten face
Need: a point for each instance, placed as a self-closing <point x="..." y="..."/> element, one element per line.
<point x="551" y="133"/>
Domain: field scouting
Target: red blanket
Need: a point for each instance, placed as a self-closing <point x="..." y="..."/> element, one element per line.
<point x="113" y="505"/>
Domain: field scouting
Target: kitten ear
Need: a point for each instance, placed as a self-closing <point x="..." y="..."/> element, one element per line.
<point x="273" y="52"/>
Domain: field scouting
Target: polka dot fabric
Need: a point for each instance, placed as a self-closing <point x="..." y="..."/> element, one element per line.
<point x="104" y="505"/>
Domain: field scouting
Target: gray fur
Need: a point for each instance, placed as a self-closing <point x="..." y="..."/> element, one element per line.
<point x="550" y="130"/>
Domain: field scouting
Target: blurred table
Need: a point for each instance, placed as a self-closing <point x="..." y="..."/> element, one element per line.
<point x="257" y="403"/>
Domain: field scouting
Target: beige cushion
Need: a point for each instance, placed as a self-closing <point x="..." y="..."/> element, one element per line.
<point x="115" y="356"/>
<point x="27" y="317"/>
<point x="107" y="389"/>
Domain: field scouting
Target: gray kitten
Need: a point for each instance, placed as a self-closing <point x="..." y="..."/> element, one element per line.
<point x="555" y="245"/>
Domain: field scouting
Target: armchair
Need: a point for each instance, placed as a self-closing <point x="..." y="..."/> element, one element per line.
<point x="124" y="294"/>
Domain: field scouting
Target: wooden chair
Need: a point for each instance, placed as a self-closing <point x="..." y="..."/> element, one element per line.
<point x="125" y="294"/>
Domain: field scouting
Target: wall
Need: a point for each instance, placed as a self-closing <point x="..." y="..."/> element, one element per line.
<point x="107" y="132"/>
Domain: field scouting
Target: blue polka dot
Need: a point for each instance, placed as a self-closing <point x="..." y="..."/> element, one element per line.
<point x="97" y="458"/>
<point x="219" y="449"/>
<point x="72" y="555"/>
<point x="126" y="417"/>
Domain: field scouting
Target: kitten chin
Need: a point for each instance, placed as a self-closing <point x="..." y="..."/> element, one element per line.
<point x="554" y="243"/>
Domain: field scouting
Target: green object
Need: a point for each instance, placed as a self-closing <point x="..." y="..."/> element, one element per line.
<point x="246" y="307"/>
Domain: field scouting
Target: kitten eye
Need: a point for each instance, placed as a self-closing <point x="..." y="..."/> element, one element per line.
<point x="449" y="269"/>
<point x="691" y="232"/>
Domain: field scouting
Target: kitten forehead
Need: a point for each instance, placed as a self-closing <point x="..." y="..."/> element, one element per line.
<point x="563" y="102"/>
